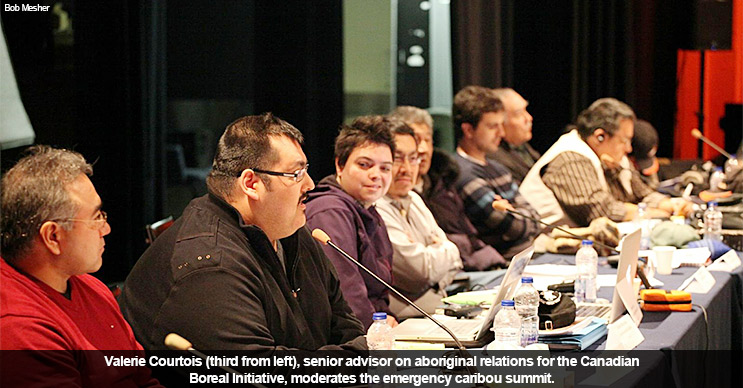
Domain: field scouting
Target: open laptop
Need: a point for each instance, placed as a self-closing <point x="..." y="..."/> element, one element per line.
<point x="471" y="332"/>
<point x="625" y="272"/>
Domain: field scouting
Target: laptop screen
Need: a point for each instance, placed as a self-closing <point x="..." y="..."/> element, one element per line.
<point x="508" y="285"/>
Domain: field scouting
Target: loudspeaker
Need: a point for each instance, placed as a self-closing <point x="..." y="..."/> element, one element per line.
<point x="705" y="24"/>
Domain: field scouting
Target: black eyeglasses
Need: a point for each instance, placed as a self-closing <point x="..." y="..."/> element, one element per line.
<point x="297" y="176"/>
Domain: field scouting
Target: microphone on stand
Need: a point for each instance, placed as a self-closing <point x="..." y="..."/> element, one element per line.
<point x="322" y="237"/>
<point x="506" y="207"/>
<point x="697" y="134"/>
<point x="176" y="342"/>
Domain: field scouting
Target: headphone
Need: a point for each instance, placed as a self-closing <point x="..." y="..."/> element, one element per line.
<point x="600" y="138"/>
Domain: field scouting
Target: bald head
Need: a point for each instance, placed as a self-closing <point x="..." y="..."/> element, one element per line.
<point x="518" y="120"/>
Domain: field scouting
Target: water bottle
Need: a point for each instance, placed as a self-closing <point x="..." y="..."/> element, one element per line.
<point x="379" y="336"/>
<point x="717" y="180"/>
<point x="587" y="262"/>
<point x="643" y="222"/>
<point x="712" y="222"/>
<point x="526" y="301"/>
<point x="507" y="326"/>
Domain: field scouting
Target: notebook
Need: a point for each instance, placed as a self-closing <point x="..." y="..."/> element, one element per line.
<point x="470" y="332"/>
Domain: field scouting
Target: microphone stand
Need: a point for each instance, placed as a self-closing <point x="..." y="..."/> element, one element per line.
<point x="698" y="134"/>
<point x="322" y="237"/>
<point x="176" y="342"/>
<point x="514" y="212"/>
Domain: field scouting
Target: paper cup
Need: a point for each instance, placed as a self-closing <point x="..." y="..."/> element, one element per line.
<point x="664" y="259"/>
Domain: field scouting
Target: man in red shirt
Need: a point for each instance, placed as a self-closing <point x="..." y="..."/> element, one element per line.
<point x="53" y="232"/>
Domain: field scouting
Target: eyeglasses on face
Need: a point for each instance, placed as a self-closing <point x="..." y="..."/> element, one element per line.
<point x="399" y="160"/>
<point x="297" y="176"/>
<point x="97" y="223"/>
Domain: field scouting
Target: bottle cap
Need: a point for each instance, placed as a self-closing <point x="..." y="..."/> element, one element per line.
<point x="587" y="242"/>
<point x="712" y="203"/>
<point x="379" y="316"/>
<point x="718" y="168"/>
<point x="642" y="205"/>
<point x="506" y="303"/>
<point x="527" y="279"/>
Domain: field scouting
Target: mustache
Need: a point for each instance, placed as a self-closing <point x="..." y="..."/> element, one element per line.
<point x="304" y="198"/>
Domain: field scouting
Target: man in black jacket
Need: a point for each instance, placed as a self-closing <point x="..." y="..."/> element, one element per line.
<point x="238" y="270"/>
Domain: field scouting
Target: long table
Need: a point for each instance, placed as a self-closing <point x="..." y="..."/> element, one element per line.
<point x="698" y="352"/>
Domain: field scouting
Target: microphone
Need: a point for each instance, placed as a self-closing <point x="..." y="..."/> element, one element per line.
<point x="697" y="134"/>
<point x="322" y="237"/>
<point x="499" y="205"/>
<point x="176" y="342"/>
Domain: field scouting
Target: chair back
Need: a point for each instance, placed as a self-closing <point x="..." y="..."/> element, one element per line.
<point x="157" y="228"/>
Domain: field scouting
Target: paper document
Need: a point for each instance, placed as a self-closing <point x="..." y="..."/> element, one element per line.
<point x="691" y="257"/>
<point x="726" y="263"/>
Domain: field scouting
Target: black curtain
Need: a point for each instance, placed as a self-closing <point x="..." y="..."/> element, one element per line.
<point x="299" y="72"/>
<point x="477" y="43"/>
<point x="561" y="56"/>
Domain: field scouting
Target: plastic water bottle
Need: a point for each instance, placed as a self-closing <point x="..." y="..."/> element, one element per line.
<point x="643" y="222"/>
<point x="507" y="326"/>
<point x="526" y="301"/>
<point x="587" y="262"/>
<point x="712" y="222"/>
<point x="717" y="180"/>
<point x="379" y="336"/>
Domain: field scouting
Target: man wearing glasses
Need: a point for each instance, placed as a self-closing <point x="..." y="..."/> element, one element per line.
<point x="53" y="232"/>
<point x="238" y="270"/>
<point x="425" y="261"/>
<point x="571" y="184"/>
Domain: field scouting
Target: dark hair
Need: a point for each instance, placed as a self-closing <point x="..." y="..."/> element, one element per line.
<point x="246" y="143"/>
<point x="400" y="127"/>
<point x="35" y="191"/>
<point x="470" y="104"/>
<point x="605" y="113"/>
<point x="644" y="139"/>
<point x="365" y="129"/>
<point x="444" y="169"/>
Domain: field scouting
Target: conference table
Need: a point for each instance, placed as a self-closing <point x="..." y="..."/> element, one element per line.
<point x="683" y="349"/>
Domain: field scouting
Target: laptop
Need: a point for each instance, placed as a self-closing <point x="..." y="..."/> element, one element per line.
<point x="625" y="272"/>
<point x="470" y="332"/>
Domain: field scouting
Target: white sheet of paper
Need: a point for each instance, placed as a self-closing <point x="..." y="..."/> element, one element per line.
<point x="629" y="299"/>
<point x="564" y="270"/>
<point x="656" y="283"/>
<point x="690" y="256"/>
<point x="623" y="335"/>
<point x="547" y="274"/>
<point x="606" y="280"/>
<point x="700" y="282"/>
<point x="726" y="263"/>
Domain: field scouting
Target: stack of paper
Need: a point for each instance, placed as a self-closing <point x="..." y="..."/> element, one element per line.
<point x="579" y="338"/>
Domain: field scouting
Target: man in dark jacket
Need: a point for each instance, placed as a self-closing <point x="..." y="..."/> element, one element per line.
<point x="238" y="270"/>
